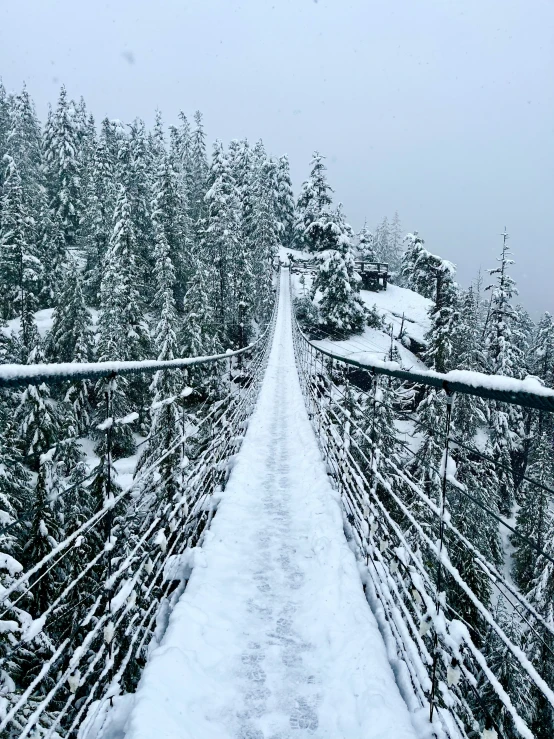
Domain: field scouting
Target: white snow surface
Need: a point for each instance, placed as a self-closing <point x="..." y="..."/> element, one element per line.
<point x="273" y="637"/>
<point x="43" y="319"/>
<point x="396" y="301"/>
<point x="372" y="345"/>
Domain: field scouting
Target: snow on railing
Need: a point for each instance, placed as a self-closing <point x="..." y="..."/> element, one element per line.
<point x="421" y="564"/>
<point x="527" y="393"/>
<point x="115" y="577"/>
<point x="19" y="375"/>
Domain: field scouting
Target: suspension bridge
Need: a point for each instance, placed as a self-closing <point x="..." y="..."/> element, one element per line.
<point x="288" y="589"/>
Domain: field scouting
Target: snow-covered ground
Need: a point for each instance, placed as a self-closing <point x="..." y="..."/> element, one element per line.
<point x="395" y="302"/>
<point x="44" y="320"/>
<point x="372" y="344"/>
<point x="273" y="637"/>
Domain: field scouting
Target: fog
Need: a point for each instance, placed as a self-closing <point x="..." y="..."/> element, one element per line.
<point x="440" y="109"/>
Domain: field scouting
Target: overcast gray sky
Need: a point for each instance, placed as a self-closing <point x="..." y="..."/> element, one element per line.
<point x="441" y="109"/>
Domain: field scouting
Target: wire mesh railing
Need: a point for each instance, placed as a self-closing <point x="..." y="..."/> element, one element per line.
<point x="117" y="572"/>
<point x="421" y="511"/>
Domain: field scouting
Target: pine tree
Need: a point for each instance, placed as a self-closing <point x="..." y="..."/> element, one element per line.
<point x="71" y="322"/>
<point x="52" y="251"/>
<point x="534" y="518"/>
<point x="13" y="239"/>
<point x="382" y="241"/>
<point x="4" y="125"/>
<point x="503" y="358"/>
<point x="542" y="363"/>
<point x="43" y="538"/>
<point x="121" y="331"/>
<point x="246" y="173"/>
<point x="14" y="489"/>
<point x="137" y="181"/>
<point x="541" y="641"/>
<point x="366" y="245"/>
<point x="223" y="227"/>
<point x="98" y="217"/>
<point x="169" y="214"/>
<point x="285" y="203"/>
<point x="199" y="336"/>
<point x="63" y="170"/>
<point x="199" y="171"/>
<point x="86" y="137"/>
<point x="508" y="671"/>
<point x="70" y="340"/>
<point x="181" y="153"/>
<point x="77" y="508"/>
<point x="20" y="268"/>
<point x="444" y="317"/>
<point x="337" y="285"/>
<point x="166" y="425"/>
<point x="314" y="201"/>
<point x="415" y="271"/>
<point x="25" y="147"/>
<point x="394" y="256"/>
<point x="157" y="140"/>
<point x="14" y="499"/>
<point x="37" y="417"/>
<point x="264" y="239"/>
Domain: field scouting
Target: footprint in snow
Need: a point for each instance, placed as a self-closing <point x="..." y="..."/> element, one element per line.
<point x="249" y="733"/>
<point x="303" y="716"/>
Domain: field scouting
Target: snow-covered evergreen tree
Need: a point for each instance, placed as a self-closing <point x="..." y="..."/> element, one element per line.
<point x="25" y="147"/>
<point x="222" y="235"/>
<point x="63" y="169"/>
<point x="314" y="200"/>
<point x="20" y="268"/>
<point x="121" y="331"/>
<point x="166" y="424"/>
<point x="503" y="358"/>
<point x="199" y="171"/>
<point x="395" y="252"/>
<point x="444" y="317"/>
<point x="285" y="203"/>
<point x="169" y="214"/>
<point x="98" y="217"/>
<point x="542" y="362"/>
<point x="336" y="287"/>
<point x="534" y="518"/>
<point x="14" y="488"/>
<point x="43" y="536"/>
<point x="508" y="672"/>
<point x="137" y="181"/>
<point x="71" y="322"/>
<point x="541" y="641"/>
<point x="4" y="125"/>
<point x="415" y="272"/>
<point x="264" y="235"/>
<point x="366" y="245"/>
<point x="382" y="238"/>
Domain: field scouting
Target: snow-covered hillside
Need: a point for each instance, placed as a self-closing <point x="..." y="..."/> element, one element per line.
<point x="404" y="309"/>
<point x="405" y="313"/>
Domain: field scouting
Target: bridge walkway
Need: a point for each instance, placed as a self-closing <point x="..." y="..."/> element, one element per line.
<point x="273" y="637"/>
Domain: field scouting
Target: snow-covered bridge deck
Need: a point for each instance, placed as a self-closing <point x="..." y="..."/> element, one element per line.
<point x="273" y="637"/>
